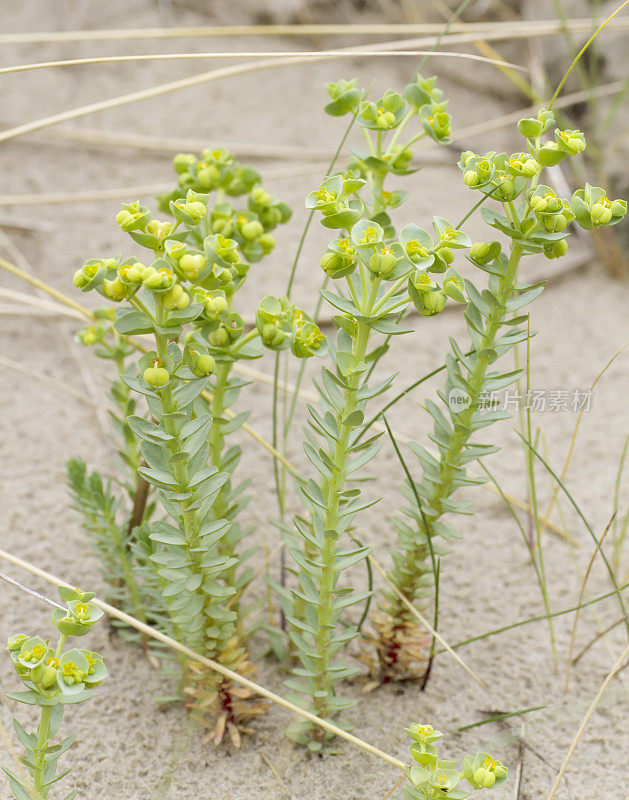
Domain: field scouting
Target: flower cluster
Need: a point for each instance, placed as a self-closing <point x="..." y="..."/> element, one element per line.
<point x="431" y="778"/>
<point x="218" y="171"/>
<point x="281" y="325"/>
<point x="544" y="216"/>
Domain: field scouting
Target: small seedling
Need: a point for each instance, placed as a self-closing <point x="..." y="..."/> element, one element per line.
<point x="54" y="678"/>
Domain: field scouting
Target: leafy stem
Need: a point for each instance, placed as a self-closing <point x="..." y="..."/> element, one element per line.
<point x="335" y="485"/>
<point x="43" y="736"/>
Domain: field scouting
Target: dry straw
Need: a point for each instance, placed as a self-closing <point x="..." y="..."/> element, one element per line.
<point x="197" y="80"/>
<point x="584" y="723"/>
<point x="302" y="56"/>
<point x="486" y="30"/>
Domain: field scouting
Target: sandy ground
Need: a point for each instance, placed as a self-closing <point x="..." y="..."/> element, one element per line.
<point x="128" y="747"/>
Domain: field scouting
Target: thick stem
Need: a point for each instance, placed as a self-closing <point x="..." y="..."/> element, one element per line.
<point x="339" y="458"/>
<point x="217" y="444"/>
<point x="217" y="438"/>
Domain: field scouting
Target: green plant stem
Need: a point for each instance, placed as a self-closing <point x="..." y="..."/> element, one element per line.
<point x="43" y="736"/>
<point x="60" y="644"/>
<point x="217" y="443"/>
<point x="618" y="539"/>
<point x="189" y="519"/>
<point x="530" y="468"/>
<point x="339" y="458"/>
<point x="476" y="382"/>
<point x="449" y="462"/>
<point x="216" y="438"/>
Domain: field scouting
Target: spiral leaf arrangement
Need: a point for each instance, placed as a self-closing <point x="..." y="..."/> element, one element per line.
<point x="188" y="563"/>
<point x="535" y="220"/>
<point x="381" y="274"/>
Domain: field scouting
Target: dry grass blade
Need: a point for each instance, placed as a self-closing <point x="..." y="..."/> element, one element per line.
<point x="171" y="144"/>
<point x="303" y="55"/>
<point x="25" y="276"/>
<point x="580" y="601"/>
<point x="196" y="80"/>
<point x="596" y="639"/>
<point x="544" y="521"/>
<point x="585" y="721"/>
<point x="521" y="28"/>
<point x="84" y="197"/>
<point x="207" y="662"/>
<point x="36" y="302"/>
<point x="422" y="619"/>
<point x="9" y="363"/>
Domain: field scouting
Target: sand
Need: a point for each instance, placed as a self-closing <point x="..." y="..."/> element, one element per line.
<point x="128" y="746"/>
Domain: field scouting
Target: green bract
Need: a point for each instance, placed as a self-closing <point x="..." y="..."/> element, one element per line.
<point x="594" y="209"/>
<point x="345" y="97"/>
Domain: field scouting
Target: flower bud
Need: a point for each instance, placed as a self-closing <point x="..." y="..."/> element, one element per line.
<point x="382" y="263"/>
<point x="47" y="676"/>
<point x="266" y="242"/>
<point x="88" y="336"/>
<point x="155" y="279"/>
<point x="215" y="306"/>
<point x="79" y="279"/>
<point x="307" y="339"/>
<point x="220" y="337"/>
<point x="471" y="178"/>
<point x="132" y="273"/>
<point x="182" y="161"/>
<point x="556" y="249"/>
<point x="114" y="290"/>
<point x="191" y="265"/>
<point x="481" y="252"/>
<point x="431" y="302"/>
<point x="484" y="778"/>
<point x="14" y="643"/>
<point x="192" y="212"/>
<point x="260" y="196"/>
<point x="538" y="203"/>
<point x="601" y="214"/>
<point x="251" y="230"/>
<point x="133" y="217"/>
<point x="272" y="335"/>
<point x="400" y="157"/>
<point x="89" y="271"/>
<point x="176" y="298"/>
<point x="202" y="364"/>
<point x="156" y="376"/>
<point x="572" y="142"/>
